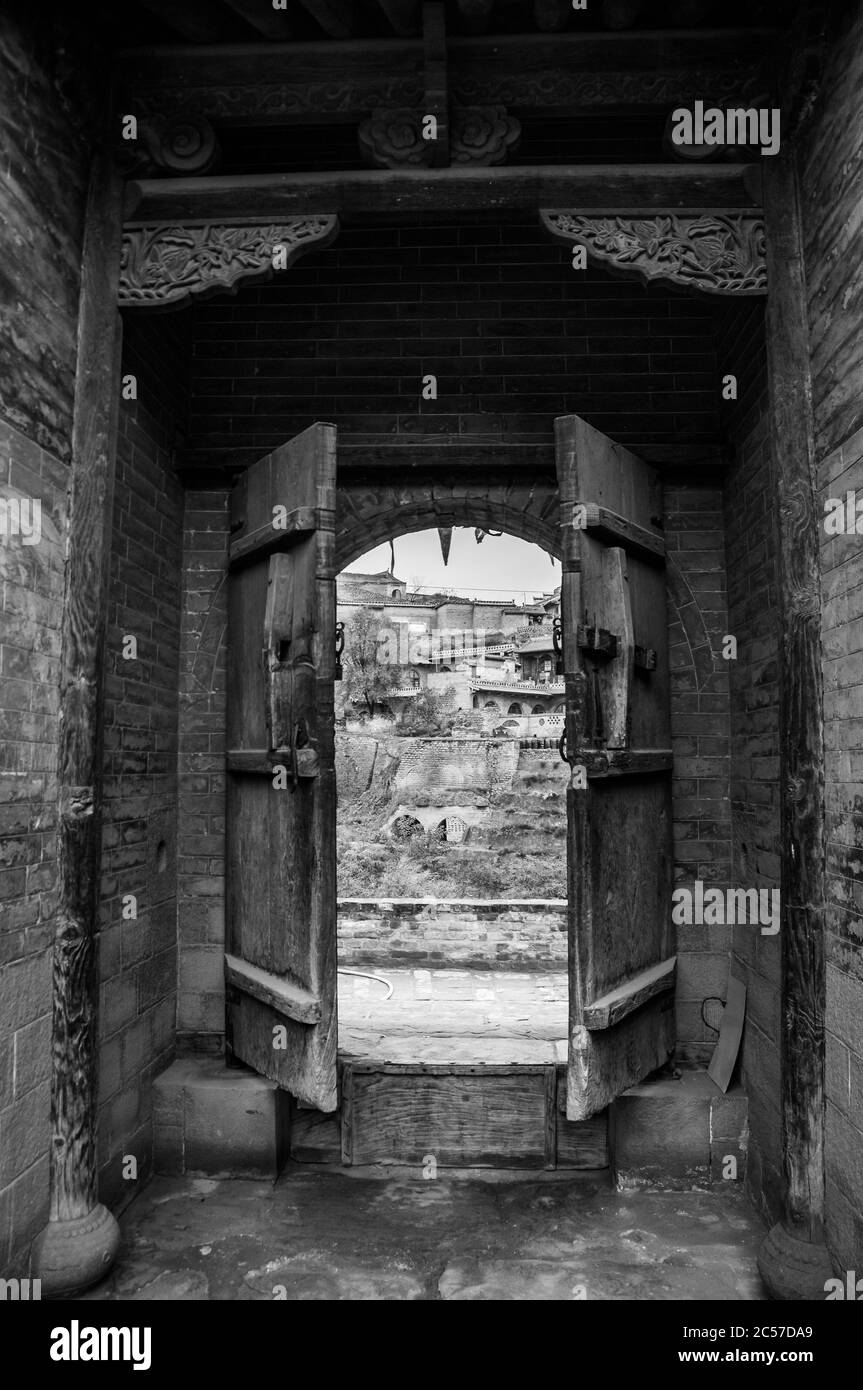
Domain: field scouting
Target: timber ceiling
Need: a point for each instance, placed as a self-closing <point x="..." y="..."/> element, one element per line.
<point x="148" y="22"/>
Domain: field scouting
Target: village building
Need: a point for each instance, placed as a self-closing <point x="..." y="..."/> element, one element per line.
<point x="280" y="285"/>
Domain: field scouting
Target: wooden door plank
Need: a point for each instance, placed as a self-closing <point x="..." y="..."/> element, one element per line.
<point x="462" y="1121"/>
<point x="285" y="998"/>
<point x="637" y="990"/>
<point x="281" y="838"/>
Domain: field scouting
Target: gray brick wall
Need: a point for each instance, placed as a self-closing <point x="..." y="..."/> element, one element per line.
<point x="138" y="956"/>
<point x="831" y="190"/>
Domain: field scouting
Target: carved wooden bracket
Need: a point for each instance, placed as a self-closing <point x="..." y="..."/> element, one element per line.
<point x="169" y="265"/>
<point x="392" y="137"/>
<point x="720" y="253"/>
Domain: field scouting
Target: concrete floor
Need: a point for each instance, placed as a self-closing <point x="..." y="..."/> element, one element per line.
<point x="390" y="1235"/>
<point x="463" y="1017"/>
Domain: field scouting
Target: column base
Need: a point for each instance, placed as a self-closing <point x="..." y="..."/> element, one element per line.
<point x="794" y="1269"/>
<point x="69" y="1256"/>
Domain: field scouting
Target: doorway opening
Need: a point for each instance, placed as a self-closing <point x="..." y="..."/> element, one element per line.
<point x="451" y="816"/>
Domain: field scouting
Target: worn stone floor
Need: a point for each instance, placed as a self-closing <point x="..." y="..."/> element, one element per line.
<point x="463" y="1017"/>
<point x="376" y="1234"/>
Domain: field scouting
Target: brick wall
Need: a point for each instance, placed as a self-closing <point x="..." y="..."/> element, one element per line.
<point x="753" y="618"/>
<point x="831" y="168"/>
<point x="698" y="620"/>
<point x="44" y="172"/>
<point x="491" y="306"/>
<point x="30" y="618"/>
<point x="483" y="935"/>
<point x="44" y="164"/>
<point x="201" y="837"/>
<point x="138" y="955"/>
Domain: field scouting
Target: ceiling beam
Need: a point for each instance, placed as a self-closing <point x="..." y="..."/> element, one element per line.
<point x="613" y="188"/>
<point x="475" y="14"/>
<point x="272" y="24"/>
<point x="551" y="16"/>
<point x="295" y="82"/>
<point x="403" y="16"/>
<point x="338" y="18"/>
<point x="196" y="20"/>
<point x="436" y="79"/>
<point x="620" y="14"/>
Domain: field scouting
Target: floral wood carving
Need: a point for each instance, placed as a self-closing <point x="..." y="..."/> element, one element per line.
<point x="561" y="86"/>
<point x="168" y="265"/>
<point x="720" y="253"/>
<point x="392" y="137"/>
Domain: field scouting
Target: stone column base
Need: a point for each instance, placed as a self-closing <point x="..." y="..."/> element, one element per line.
<point x="793" y="1269"/>
<point x="69" y="1256"/>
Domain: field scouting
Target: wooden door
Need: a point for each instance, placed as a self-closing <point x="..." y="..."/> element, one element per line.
<point x="618" y="745"/>
<point x="280" y="963"/>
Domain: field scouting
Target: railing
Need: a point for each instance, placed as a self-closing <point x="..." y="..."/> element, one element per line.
<point x="542" y="687"/>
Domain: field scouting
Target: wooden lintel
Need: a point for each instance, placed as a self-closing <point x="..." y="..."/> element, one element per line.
<point x="592" y="188"/>
<point x="279" y="994"/>
<point x="618" y="1003"/>
<point x="283" y="83"/>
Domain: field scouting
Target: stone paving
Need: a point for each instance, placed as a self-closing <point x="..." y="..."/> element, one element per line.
<point x="361" y="1234"/>
<point x="455" y="1016"/>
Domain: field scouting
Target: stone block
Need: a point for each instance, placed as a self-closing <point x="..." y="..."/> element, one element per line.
<point x="209" y="1120"/>
<point x="666" y="1132"/>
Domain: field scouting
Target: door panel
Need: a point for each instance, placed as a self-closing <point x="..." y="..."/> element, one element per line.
<point x="280" y="964"/>
<point x="615" y="650"/>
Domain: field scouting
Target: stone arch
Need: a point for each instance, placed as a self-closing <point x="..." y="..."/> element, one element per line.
<point x="366" y="516"/>
<point x="515" y="708"/>
<point x="406" y="827"/>
<point x="492" y="705"/>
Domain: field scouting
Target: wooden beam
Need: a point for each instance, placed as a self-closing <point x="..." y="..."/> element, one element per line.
<point x="403" y="15"/>
<point x="436" y="82"/>
<point x="793" y="1260"/>
<point x="592" y="188"/>
<point x="620" y="1002"/>
<point x="551" y="16"/>
<point x="79" y="1243"/>
<point x="265" y="83"/>
<point x="292" y="1001"/>
<point x="338" y="18"/>
<point x="475" y="14"/>
<point x="194" y="19"/>
<point x="272" y="24"/>
<point x="620" y="14"/>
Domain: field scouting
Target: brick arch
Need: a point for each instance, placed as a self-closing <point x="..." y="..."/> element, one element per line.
<point x="367" y="516"/>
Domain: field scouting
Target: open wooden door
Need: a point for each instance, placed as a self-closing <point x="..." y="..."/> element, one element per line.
<point x="280" y="962"/>
<point x="618" y="745"/>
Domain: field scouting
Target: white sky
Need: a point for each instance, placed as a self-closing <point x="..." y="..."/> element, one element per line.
<point x="500" y="567"/>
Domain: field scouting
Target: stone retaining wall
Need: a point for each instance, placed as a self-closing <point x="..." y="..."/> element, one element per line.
<point x="525" y="935"/>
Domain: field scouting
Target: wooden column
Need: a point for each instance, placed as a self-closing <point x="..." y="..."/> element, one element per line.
<point x="793" y="1259"/>
<point x="78" y="1245"/>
